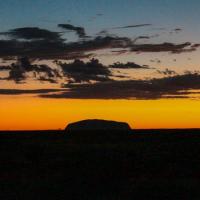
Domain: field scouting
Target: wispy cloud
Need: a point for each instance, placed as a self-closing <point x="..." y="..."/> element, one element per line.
<point x="80" y="31"/>
<point x="132" y="26"/>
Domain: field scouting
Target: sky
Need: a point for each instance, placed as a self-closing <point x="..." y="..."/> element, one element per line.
<point x="126" y="60"/>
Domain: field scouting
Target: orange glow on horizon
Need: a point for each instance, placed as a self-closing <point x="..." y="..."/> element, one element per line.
<point x="32" y="113"/>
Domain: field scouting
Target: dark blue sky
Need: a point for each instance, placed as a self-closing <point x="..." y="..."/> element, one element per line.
<point x="48" y="13"/>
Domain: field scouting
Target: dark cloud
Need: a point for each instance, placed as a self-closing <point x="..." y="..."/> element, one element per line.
<point x="23" y="65"/>
<point x="33" y="33"/>
<point x="45" y="79"/>
<point x="79" y="71"/>
<point x="141" y="38"/>
<point x="111" y="42"/>
<point x="19" y="91"/>
<point x="169" y="87"/>
<point x="98" y="43"/>
<point x="76" y="71"/>
<point x="120" y="52"/>
<point x="145" y="37"/>
<point x="176" y="30"/>
<point x="40" y="49"/>
<point x="59" y="49"/>
<point x="164" y="47"/>
<point x="17" y="73"/>
<point x="195" y="46"/>
<point x="167" y="72"/>
<point x="43" y="49"/>
<point x="189" y="50"/>
<point x="156" y="60"/>
<point x="5" y="68"/>
<point x="132" y="26"/>
<point x="103" y="33"/>
<point x="73" y="56"/>
<point x="80" y="31"/>
<point x="128" y="65"/>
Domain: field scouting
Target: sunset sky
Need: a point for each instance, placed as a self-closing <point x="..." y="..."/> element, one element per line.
<point x="136" y="61"/>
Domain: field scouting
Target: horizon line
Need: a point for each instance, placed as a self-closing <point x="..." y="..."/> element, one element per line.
<point x="132" y="129"/>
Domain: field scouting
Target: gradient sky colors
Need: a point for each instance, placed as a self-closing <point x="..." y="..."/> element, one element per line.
<point x="155" y="83"/>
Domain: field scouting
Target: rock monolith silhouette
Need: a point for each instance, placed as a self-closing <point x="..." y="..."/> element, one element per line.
<point x="97" y="124"/>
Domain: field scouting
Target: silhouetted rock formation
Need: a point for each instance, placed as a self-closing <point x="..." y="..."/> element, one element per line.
<point x="100" y="131"/>
<point x="96" y="124"/>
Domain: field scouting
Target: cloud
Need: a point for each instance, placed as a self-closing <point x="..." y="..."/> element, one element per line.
<point x="44" y="44"/>
<point x="195" y="46"/>
<point x="177" y="86"/>
<point x="80" y="31"/>
<point x="19" y="91"/>
<point x="76" y="72"/>
<point x="5" y="68"/>
<point x="167" y="72"/>
<point x="79" y="71"/>
<point x="132" y="26"/>
<point x="120" y="52"/>
<point x="141" y="38"/>
<point x="163" y="47"/>
<point x="33" y="33"/>
<point x="177" y="30"/>
<point x="55" y="50"/>
<point x="112" y="42"/>
<point x="17" y="74"/>
<point x="98" y="43"/>
<point x="45" y="49"/>
<point x="23" y="66"/>
<point x="156" y="60"/>
<point x="128" y="65"/>
<point x="39" y="49"/>
<point x="45" y="79"/>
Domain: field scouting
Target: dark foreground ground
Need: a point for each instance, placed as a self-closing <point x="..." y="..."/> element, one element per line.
<point x="151" y="164"/>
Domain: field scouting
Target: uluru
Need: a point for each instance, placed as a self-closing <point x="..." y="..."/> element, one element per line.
<point x="98" y="124"/>
<point x="98" y="130"/>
